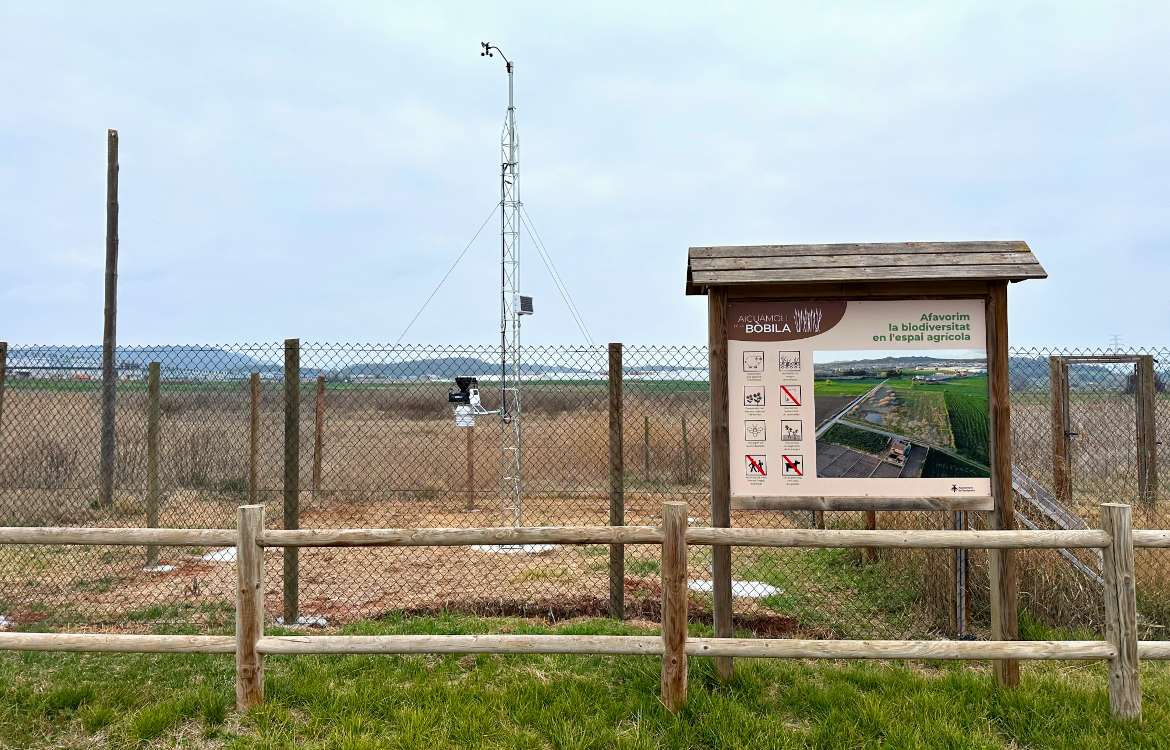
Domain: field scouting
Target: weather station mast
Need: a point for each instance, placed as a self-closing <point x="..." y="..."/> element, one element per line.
<point x="512" y="306"/>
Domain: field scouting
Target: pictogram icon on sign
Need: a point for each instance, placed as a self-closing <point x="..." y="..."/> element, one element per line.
<point x="756" y="466"/>
<point x="791" y="429"/>
<point x="793" y="466"/>
<point x="753" y="395"/>
<point x="790" y="360"/>
<point x="754" y="430"/>
<point x="790" y="395"/>
<point x="753" y="361"/>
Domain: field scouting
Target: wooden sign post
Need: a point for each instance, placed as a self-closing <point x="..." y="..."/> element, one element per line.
<point x="852" y="321"/>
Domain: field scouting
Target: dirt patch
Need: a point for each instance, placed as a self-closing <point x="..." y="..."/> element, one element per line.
<point x="558" y="609"/>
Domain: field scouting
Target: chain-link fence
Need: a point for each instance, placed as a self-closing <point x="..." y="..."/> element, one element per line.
<point x="379" y="447"/>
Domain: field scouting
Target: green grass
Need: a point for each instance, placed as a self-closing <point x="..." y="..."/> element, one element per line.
<point x="812" y="581"/>
<point x="851" y="437"/>
<point x="569" y="702"/>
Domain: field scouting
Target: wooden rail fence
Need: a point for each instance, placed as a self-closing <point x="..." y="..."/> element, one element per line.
<point x="1116" y="538"/>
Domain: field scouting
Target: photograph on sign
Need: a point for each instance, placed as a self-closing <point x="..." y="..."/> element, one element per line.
<point x="901" y="414"/>
<point x="864" y="398"/>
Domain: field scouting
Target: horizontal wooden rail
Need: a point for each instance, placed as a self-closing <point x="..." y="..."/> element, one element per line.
<point x="462" y="537"/>
<point x="126" y="644"/>
<point x="783" y="648"/>
<point x="1151" y="539"/>
<point x="1088" y="538"/>
<point x="1154" y="650"/>
<point x="650" y="645"/>
<point x="124" y="537"/>
<point x="440" y="537"/>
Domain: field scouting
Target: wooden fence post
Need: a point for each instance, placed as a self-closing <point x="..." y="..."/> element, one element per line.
<point x="870" y="553"/>
<point x="318" y="435"/>
<point x="249" y="606"/>
<point x="686" y="452"/>
<point x="720" y="470"/>
<point x="292" y="474"/>
<point x="109" y="331"/>
<point x="617" y="484"/>
<point x="1061" y="459"/>
<point x="646" y="444"/>
<point x="1147" y="429"/>
<point x="1125" y="696"/>
<point x="3" y="375"/>
<point x="674" y="604"/>
<point x="254" y="440"/>
<point x="1002" y="562"/>
<point x="153" y="396"/>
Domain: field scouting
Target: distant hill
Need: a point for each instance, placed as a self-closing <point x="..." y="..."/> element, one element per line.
<point x="175" y="357"/>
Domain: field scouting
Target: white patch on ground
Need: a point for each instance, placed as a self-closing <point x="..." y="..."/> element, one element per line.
<point x="5" y="623"/>
<point x="516" y="549"/>
<point x="304" y="621"/>
<point x="747" y="589"/>
<point x="227" y="554"/>
<point x="159" y="569"/>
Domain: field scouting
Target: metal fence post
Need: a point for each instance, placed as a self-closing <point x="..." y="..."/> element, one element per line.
<point x="686" y="452"/>
<point x="674" y="604"/>
<point x="1147" y="430"/>
<point x="646" y="444"/>
<point x="254" y="439"/>
<point x="1125" y="696"/>
<point x="153" y="396"/>
<point x="617" y="484"/>
<point x="3" y="375"/>
<point x="292" y="473"/>
<point x="469" y="503"/>
<point x="318" y="435"/>
<point x="249" y="606"/>
<point x="1061" y="460"/>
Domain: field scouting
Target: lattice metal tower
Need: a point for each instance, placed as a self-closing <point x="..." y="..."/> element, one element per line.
<point x="510" y="412"/>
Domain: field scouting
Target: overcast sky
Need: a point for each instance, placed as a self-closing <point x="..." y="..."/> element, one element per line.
<point x="312" y="169"/>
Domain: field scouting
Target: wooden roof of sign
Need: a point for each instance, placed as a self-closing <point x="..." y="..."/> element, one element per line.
<point x="860" y="262"/>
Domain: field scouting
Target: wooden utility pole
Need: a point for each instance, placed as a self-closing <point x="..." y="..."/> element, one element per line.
<point x="109" y="335"/>
<point x="153" y="397"/>
<point x="617" y="484"/>
<point x="1004" y="588"/>
<point x="292" y="474"/>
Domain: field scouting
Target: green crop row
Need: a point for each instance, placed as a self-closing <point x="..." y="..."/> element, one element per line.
<point x="969" y="424"/>
<point x="851" y="437"/>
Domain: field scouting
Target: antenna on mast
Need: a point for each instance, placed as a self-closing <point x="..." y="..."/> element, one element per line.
<point x="512" y="305"/>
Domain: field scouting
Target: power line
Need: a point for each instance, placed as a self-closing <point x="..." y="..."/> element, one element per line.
<point x="550" y="266"/>
<point x="449" y="270"/>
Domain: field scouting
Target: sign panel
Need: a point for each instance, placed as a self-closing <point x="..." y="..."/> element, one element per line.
<point x="858" y="398"/>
